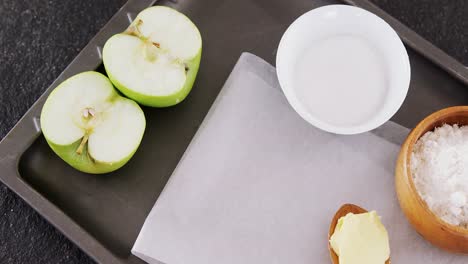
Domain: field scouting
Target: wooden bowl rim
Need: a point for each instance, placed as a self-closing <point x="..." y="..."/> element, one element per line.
<point x="414" y="135"/>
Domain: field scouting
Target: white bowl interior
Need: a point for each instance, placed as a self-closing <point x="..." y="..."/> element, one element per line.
<point x="337" y="20"/>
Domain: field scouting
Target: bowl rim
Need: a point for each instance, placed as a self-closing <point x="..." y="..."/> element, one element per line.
<point x="375" y="120"/>
<point x="418" y="131"/>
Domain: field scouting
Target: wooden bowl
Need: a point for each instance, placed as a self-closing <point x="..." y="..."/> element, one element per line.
<point x="431" y="227"/>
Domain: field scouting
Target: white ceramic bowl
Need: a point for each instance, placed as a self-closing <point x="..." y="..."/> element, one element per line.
<point x="342" y="20"/>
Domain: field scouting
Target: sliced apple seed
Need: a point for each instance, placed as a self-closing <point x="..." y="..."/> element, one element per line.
<point x="88" y="112"/>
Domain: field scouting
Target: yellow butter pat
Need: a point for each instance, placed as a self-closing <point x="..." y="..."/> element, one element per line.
<point x="361" y="239"/>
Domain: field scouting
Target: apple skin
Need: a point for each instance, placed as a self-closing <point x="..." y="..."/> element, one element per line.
<point x="83" y="162"/>
<point x="159" y="101"/>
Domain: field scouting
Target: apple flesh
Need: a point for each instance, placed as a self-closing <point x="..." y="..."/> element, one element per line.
<point x="90" y="126"/>
<point x="155" y="62"/>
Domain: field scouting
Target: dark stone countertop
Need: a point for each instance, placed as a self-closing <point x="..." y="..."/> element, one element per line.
<point x="38" y="39"/>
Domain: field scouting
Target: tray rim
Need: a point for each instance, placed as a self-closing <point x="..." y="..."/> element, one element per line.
<point x="26" y="131"/>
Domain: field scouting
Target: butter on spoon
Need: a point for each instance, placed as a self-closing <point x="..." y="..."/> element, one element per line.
<point x="342" y="212"/>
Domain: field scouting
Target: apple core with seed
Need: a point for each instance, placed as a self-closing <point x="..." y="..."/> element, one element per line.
<point x="155" y="61"/>
<point x="90" y="126"/>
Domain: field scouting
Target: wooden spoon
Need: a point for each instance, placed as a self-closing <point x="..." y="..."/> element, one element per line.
<point x="344" y="210"/>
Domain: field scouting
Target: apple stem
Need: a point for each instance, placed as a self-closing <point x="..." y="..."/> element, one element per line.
<point x="151" y="47"/>
<point x="134" y="30"/>
<point x="79" y="150"/>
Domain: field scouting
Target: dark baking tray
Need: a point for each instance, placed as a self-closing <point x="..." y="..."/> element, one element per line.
<point x="103" y="214"/>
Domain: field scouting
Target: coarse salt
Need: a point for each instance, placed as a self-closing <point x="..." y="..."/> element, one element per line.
<point x="439" y="166"/>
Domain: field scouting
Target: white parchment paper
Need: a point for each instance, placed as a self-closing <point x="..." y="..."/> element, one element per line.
<point x="259" y="185"/>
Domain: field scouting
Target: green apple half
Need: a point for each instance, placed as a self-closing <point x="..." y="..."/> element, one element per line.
<point x="90" y="126"/>
<point x="156" y="60"/>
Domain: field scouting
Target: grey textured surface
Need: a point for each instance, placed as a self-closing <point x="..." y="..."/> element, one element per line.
<point x="38" y="39"/>
<point x="443" y="22"/>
